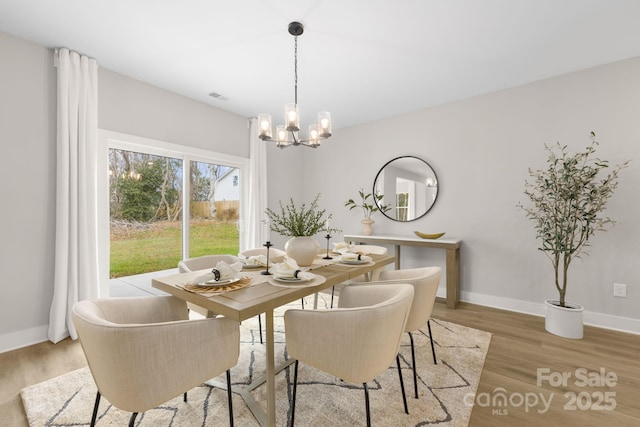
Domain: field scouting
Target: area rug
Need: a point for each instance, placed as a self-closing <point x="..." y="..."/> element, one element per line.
<point x="322" y="399"/>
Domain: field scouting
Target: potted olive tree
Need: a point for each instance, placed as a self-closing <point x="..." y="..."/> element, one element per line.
<point x="567" y="199"/>
<point x="300" y="223"/>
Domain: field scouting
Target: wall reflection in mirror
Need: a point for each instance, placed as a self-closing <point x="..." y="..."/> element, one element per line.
<point x="409" y="187"/>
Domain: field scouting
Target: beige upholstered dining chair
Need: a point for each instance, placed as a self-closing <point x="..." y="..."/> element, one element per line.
<point x="144" y="351"/>
<point x="206" y="261"/>
<point x="425" y="281"/>
<point x="364" y="249"/>
<point x="356" y="342"/>
<point x="273" y="253"/>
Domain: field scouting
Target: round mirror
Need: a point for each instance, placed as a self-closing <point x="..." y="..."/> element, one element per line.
<point x="408" y="186"/>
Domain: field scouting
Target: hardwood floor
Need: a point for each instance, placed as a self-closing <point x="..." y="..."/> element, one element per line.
<point x="519" y="348"/>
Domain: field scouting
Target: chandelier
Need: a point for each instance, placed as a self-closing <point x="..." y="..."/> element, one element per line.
<point x="288" y="134"/>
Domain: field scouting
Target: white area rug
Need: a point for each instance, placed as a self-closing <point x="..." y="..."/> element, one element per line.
<point x="322" y="400"/>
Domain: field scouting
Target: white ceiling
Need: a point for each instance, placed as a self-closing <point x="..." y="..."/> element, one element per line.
<point x="362" y="60"/>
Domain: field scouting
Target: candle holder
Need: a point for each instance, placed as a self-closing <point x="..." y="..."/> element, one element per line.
<point x="267" y="272"/>
<point x="328" y="236"/>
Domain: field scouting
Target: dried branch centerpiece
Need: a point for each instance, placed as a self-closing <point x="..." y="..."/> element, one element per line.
<point x="300" y="223"/>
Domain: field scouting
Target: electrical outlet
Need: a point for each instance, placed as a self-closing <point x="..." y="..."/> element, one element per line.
<point x="619" y="290"/>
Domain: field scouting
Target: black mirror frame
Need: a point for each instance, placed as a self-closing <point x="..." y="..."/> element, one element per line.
<point x="428" y="208"/>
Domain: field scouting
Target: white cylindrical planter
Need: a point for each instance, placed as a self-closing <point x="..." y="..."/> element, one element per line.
<point x="565" y="322"/>
<point x="303" y="249"/>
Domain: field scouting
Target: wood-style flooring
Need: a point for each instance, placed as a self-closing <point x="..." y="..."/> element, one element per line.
<point x="590" y="382"/>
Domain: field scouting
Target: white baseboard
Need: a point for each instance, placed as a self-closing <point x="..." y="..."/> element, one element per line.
<point x="600" y="320"/>
<point x="23" y="338"/>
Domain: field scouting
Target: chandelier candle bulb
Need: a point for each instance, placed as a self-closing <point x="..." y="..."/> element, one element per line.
<point x="313" y="134"/>
<point x="291" y="117"/>
<point x="324" y="122"/>
<point x="264" y="121"/>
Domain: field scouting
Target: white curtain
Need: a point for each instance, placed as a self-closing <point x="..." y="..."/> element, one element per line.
<point x="76" y="252"/>
<point x="256" y="231"/>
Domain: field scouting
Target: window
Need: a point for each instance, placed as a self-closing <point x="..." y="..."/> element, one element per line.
<point x="146" y="222"/>
<point x="402" y="206"/>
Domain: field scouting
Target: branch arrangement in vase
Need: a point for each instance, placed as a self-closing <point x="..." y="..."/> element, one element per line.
<point x="295" y="221"/>
<point x="369" y="203"/>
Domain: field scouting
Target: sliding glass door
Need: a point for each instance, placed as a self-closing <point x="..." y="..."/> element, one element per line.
<point x="151" y="224"/>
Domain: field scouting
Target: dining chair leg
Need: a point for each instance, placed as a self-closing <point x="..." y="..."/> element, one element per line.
<point x="413" y="363"/>
<point x="132" y="420"/>
<point x="260" y="327"/>
<point x="185" y="396"/>
<point x="333" y="289"/>
<point x="404" y="396"/>
<point x="95" y="410"/>
<point x="229" y="397"/>
<point x="293" y="394"/>
<point x="433" y="350"/>
<point x="366" y="404"/>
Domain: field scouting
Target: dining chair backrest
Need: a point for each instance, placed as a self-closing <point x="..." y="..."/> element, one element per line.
<point x="273" y="252"/>
<point x="206" y="261"/>
<point x="370" y="249"/>
<point x="425" y="281"/>
<point x="357" y="341"/>
<point x="144" y="351"/>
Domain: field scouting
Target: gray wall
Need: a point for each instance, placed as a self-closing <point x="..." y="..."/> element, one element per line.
<point x="27" y="175"/>
<point x="27" y="187"/>
<point x="136" y="108"/>
<point x="481" y="149"/>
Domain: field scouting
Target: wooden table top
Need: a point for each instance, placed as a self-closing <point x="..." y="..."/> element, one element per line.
<point x="260" y="295"/>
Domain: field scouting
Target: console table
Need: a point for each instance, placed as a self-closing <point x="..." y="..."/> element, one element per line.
<point x="452" y="246"/>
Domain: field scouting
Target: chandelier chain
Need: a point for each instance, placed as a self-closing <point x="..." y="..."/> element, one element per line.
<point x="295" y="68"/>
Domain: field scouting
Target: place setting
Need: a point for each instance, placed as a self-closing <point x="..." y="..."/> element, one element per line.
<point x="253" y="262"/>
<point x="222" y="278"/>
<point x="287" y="274"/>
<point x="349" y="256"/>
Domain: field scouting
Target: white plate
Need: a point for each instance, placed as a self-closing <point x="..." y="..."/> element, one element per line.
<point x="290" y="279"/>
<point x="219" y="283"/>
<point x="353" y="261"/>
<point x="252" y="266"/>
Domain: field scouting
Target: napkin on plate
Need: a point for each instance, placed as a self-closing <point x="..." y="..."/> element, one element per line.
<point x="352" y="256"/>
<point x="289" y="269"/>
<point x="341" y="247"/>
<point x="255" y="260"/>
<point x="226" y="272"/>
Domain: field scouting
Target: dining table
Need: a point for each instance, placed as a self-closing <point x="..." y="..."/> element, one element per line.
<point x="259" y="293"/>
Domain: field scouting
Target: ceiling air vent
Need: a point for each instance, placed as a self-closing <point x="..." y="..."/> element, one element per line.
<point x="218" y="96"/>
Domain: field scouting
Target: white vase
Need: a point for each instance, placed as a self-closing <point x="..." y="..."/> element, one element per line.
<point x="565" y="322"/>
<point x="303" y="249"/>
<point x="368" y="230"/>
